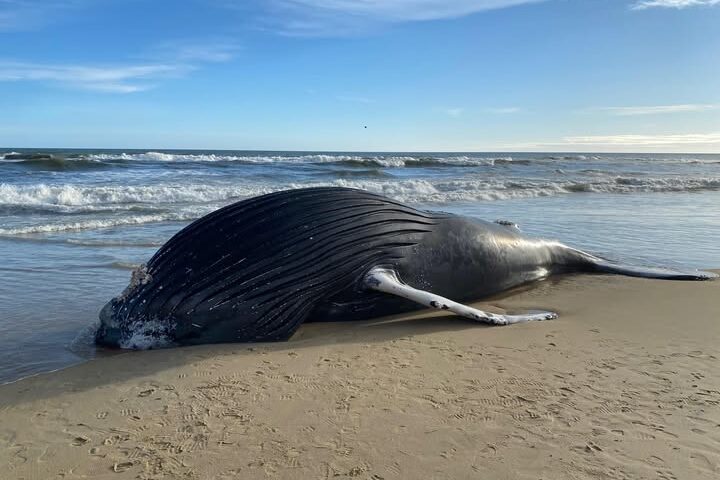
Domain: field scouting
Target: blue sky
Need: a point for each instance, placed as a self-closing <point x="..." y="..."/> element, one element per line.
<point x="422" y="75"/>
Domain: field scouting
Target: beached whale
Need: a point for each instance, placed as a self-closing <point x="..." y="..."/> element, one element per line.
<point x="256" y="270"/>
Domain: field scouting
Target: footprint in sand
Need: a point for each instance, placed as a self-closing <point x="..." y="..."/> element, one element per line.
<point x="666" y="475"/>
<point x="448" y="454"/>
<point x="643" y="435"/>
<point x="703" y="462"/>
<point x="122" y="467"/>
<point x="656" y="461"/>
<point x="80" y="441"/>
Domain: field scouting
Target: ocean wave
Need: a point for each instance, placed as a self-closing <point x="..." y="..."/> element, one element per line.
<point x="447" y="191"/>
<point x="59" y="162"/>
<point x="572" y="157"/>
<point x="94" y="224"/>
<point x="699" y="161"/>
<point x="72" y="198"/>
<point x="385" y="161"/>
<point x="162" y="196"/>
<point x="188" y="202"/>
<point x="112" y="243"/>
<point x="50" y="162"/>
<point x="28" y="156"/>
<point x="359" y="173"/>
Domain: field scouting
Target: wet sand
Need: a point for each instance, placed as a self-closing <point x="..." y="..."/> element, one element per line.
<point x="624" y="385"/>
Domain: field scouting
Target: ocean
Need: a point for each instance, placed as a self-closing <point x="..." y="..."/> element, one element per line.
<point x="74" y="223"/>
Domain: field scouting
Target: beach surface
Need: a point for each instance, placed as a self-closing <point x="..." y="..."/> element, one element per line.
<point x="624" y="385"/>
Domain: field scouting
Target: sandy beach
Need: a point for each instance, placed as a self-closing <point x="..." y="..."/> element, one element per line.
<point x="623" y="385"/>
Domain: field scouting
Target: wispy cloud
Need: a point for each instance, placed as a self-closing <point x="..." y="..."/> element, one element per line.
<point x="678" y="4"/>
<point x="196" y="50"/>
<point x="680" y="142"/>
<point x="659" y="109"/>
<point x="114" y="79"/>
<point x="404" y="10"/>
<point x="337" y="17"/>
<point x="646" y="140"/>
<point x="454" y="112"/>
<point x="166" y="60"/>
<point x="28" y="14"/>
<point x="503" y="110"/>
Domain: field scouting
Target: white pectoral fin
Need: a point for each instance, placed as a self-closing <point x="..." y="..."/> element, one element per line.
<point x="386" y="281"/>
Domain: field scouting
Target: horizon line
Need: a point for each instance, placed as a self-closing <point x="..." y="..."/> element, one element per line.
<point x="153" y="149"/>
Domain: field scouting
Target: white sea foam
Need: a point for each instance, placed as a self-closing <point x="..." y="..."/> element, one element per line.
<point x="413" y="190"/>
<point x="112" y="243"/>
<point x="96" y="223"/>
<point x="177" y="202"/>
<point x="373" y="160"/>
<point x="148" y="334"/>
<point x="445" y="191"/>
<point x="102" y="196"/>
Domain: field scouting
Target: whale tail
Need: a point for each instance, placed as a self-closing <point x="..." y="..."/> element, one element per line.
<point x="592" y="263"/>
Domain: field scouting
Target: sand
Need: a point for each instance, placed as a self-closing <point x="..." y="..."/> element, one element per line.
<point x="624" y="385"/>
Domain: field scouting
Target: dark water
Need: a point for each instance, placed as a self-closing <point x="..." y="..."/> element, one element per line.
<point x="73" y="223"/>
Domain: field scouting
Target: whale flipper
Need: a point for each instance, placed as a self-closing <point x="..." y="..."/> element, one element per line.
<point x="605" y="266"/>
<point x="593" y="263"/>
<point x="387" y="281"/>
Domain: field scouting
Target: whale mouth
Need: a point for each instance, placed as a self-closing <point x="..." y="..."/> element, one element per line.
<point x="141" y="336"/>
<point x="108" y="337"/>
<point x="106" y="334"/>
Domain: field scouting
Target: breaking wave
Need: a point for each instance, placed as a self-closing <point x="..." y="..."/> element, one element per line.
<point x="59" y="161"/>
<point x="98" y="223"/>
<point x="52" y="162"/>
<point x="92" y="198"/>
<point x="386" y="161"/>
<point x="180" y="203"/>
<point x="45" y="161"/>
<point x="85" y="198"/>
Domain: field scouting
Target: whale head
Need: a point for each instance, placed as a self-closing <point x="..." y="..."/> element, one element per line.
<point x="126" y="322"/>
<point x="109" y="333"/>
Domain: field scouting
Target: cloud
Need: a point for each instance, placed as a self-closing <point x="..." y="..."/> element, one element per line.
<point x="112" y="79"/>
<point x="646" y="140"/>
<point x="458" y="111"/>
<point x="337" y="17"/>
<point x="167" y="60"/>
<point x="503" y="110"/>
<point x="190" y="50"/>
<point x="659" y="109"/>
<point x="28" y="14"/>
<point x="403" y="10"/>
<point x="679" y="142"/>
<point x="678" y="4"/>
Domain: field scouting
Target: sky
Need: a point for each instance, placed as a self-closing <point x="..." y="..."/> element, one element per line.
<point x="362" y="75"/>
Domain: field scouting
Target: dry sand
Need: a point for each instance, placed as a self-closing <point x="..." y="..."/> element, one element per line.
<point x="625" y="384"/>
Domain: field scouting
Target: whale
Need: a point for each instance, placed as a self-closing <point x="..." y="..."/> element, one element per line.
<point x="255" y="270"/>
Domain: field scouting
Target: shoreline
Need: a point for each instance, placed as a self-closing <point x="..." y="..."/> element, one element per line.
<point x="622" y="385"/>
